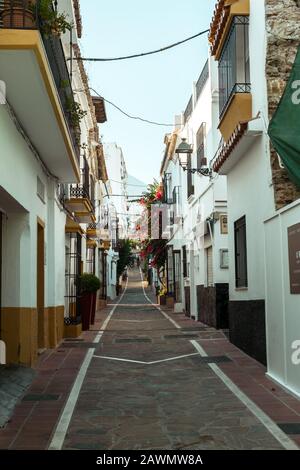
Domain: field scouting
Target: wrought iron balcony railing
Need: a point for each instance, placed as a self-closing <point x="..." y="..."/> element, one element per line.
<point x="188" y="110"/>
<point x="234" y="63"/>
<point x="201" y="159"/>
<point x="25" y="15"/>
<point x="81" y="191"/>
<point x="202" y="80"/>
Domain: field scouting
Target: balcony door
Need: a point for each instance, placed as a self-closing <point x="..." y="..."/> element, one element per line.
<point x="177" y="276"/>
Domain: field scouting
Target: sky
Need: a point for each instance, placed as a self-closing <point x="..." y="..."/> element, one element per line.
<point x="155" y="87"/>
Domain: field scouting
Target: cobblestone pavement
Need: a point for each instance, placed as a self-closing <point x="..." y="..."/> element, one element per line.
<point x="150" y="386"/>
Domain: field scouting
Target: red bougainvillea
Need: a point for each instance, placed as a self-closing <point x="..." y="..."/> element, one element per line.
<point x="153" y="194"/>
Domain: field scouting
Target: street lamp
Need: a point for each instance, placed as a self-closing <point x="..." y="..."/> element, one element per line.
<point x="184" y="152"/>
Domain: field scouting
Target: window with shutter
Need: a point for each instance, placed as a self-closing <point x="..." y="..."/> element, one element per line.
<point x="201" y="135"/>
<point x="241" y="276"/>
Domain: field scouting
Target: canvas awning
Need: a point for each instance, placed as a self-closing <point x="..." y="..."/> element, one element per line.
<point x="284" y="128"/>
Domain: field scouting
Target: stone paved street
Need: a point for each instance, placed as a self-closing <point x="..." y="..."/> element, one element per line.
<point x="148" y="387"/>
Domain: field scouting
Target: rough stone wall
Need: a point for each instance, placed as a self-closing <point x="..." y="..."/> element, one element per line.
<point x="283" y="39"/>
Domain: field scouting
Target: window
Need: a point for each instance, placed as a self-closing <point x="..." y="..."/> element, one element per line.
<point x="241" y="278"/>
<point x="184" y="261"/>
<point x="40" y="189"/>
<point x="190" y="186"/>
<point x="72" y="273"/>
<point x="170" y="270"/>
<point x="234" y="64"/>
<point x="167" y="183"/>
<point x="201" y="151"/>
<point x="90" y="260"/>
<point x="177" y="276"/>
<point x="176" y="204"/>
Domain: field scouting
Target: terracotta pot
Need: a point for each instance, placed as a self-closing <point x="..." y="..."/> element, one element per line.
<point x="16" y="17"/>
<point x="93" y="309"/>
<point x="86" y="310"/>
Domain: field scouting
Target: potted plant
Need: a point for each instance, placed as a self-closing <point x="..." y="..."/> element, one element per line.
<point x="162" y="296"/>
<point x="89" y="284"/>
<point x="53" y="23"/>
<point x="19" y="14"/>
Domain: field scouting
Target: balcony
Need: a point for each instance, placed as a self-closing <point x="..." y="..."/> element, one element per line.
<point x="100" y="111"/>
<point x="202" y="80"/>
<point x="92" y="231"/>
<point x="235" y="99"/>
<point x="188" y="110"/>
<point x="224" y="14"/>
<point x="78" y="201"/>
<point x="38" y="86"/>
<point x="80" y="197"/>
<point x="240" y="141"/>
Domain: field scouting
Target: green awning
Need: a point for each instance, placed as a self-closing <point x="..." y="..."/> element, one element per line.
<point x="284" y="128"/>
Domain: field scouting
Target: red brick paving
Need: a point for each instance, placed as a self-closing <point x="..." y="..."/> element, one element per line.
<point x="33" y="423"/>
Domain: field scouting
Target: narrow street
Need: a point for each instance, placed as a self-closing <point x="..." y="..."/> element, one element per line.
<point x="149" y="386"/>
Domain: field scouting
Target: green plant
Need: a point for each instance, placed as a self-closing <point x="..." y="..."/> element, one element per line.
<point x="65" y="84"/>
<point x="89" y="283"/>
<point x="53" y="22"/>
<point x="75" y="112"/>
<point x="124" y="256"/>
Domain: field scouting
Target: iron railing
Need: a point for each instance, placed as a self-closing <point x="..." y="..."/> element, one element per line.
<point x="72" y="278"/>
<point x="18" y="14"/>
<point x="92" y="192"/>
<point x="188" y="110"/>
<point x="79" y="191"/>
<point x="202" y="80"/>
<point x="167" y="189"/>
<point x="234" y="65"/>
<point x="190" y="185"/>
<point x="201" y="160"/>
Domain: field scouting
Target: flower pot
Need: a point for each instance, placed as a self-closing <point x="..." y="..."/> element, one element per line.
<point x="170" y="301"/>
<point x="162" y="300"/>
<point x="16" y="16"/>
<point x="93" y="309"/>
<point x="86" y="310"/>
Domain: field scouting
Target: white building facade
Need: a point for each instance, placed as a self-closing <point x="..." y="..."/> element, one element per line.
<point x="263" y="203"/>
<point x="46" y="146"/>
<point x="197" y="271"/>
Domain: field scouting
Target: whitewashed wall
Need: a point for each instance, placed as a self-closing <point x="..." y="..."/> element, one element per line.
<point x="282" y="307"/>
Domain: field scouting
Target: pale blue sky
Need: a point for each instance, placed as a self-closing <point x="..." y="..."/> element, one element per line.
<point x="155" y="87"/>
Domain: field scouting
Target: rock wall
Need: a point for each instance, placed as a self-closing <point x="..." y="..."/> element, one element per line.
<point x="283" y="39"/>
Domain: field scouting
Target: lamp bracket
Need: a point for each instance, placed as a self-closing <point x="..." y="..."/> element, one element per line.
<point x="200" y="171"/>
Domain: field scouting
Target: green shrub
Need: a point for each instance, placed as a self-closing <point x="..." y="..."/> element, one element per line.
<point x="89" y="283"/>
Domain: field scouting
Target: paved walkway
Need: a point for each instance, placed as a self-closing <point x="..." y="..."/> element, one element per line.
<point x="151" y="379"/>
